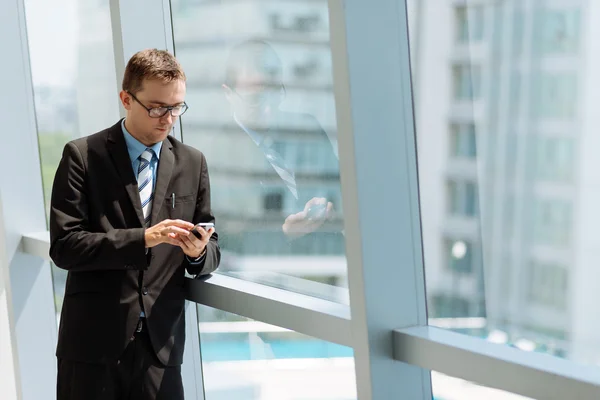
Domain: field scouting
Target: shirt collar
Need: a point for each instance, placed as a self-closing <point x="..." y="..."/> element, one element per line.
<point x="135" y="147"/>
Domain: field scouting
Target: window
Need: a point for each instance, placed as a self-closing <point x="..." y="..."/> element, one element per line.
<point x="76" y="93"/>
<point x="463" y="139"/>
<point x="273" y="201"/>
<point x="462" y="197"/>
<point x="548" y="285"/>
<point x="555" y="158"/>
<point x="525" y="82"/>
<point x="469" y="23"/>
<point x="555" y="95"/>
<point x="466" y="81"/>
<point x="518" y="31"/>
<point x="270" y="153"/>
<point x="558" y="31"/>
<point x="251" y="360"/>
<point x="459" y="255"/>
<point x="552" y="222"/>
<point x="446" y="306"/>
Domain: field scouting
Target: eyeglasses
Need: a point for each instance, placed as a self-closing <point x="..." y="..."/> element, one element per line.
<point x="159" y="112"/>
<point x="249" y="95"/>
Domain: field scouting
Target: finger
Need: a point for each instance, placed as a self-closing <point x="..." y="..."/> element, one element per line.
<point x="318" y="200"/>
<point x="180" y="223"/>
<point x="174" y="242"/>
<point x="329" y="208"/>
<point x="192" y="241"/>
<point x="173" y="239"/>
<point x="186" y="243"/>
<point x="177" y="230"/>
<point x="210" y="232"/>
<point x="293" y="218"/>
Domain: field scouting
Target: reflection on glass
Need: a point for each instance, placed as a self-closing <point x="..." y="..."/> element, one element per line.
<point x="262" y="111"/>
<point x="250" y="360"/>
<point x="506" y="130"/>
<point x="74" y="82"/>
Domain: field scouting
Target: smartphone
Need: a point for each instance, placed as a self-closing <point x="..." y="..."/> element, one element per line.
<point x="316" y="211"/>
<point x="205" y="225"/>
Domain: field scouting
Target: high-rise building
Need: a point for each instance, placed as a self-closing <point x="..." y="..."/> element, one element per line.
<point x="505" y="125"/>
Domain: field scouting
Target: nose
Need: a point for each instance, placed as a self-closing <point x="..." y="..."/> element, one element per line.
<point x="167" y="119"/>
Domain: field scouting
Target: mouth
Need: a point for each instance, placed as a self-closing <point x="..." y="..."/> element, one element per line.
<point x="165" y="129"/>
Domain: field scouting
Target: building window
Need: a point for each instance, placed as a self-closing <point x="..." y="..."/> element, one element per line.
<point x="552" y="222"/>
<point x="459" y="254"/>
<point x="467" y="81"/>
<point x="463" y="140"/>
<point x="554" y="159"/>
<point x="548" y="285"/>
<point x="462" y="196"/>
<point x="449" y="306"/>
<point x="469" y="23"/>
<point x="518" y="29"/>
<point x="555" y="95"/>
<point x="273" y="201"/>
<point x="558" y="31"/>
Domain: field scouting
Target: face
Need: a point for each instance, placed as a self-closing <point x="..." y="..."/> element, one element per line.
<point x="154" y="93"/>
<point x="254" y="100"/>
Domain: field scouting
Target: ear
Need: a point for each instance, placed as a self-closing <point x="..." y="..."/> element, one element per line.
<point x="126" y="100"/>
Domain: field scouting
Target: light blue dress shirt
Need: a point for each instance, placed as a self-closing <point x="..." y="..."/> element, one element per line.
<point x="135" y="149"/>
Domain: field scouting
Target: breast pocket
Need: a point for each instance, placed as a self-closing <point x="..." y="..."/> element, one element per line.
<point x="181" y="206"/>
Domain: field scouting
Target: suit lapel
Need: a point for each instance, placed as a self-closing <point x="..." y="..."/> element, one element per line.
<point x="117" y="148"/>
<point x="163" y="177"/>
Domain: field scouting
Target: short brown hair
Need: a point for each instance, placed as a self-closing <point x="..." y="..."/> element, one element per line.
<point x="151" y="64"/>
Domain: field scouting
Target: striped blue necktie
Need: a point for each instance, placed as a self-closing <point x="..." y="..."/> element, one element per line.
<point x="146" y="184"/>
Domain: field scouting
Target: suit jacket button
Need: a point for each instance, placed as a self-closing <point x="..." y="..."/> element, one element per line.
<point x="144" y="290"/>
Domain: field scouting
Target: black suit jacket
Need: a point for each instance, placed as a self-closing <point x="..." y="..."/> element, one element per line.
<point x="97" y="234"/>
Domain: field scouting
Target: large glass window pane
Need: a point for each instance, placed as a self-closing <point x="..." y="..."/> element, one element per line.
<point x="262" y="110"/>
<point x="250" y="360"/>
<point x="74" y="81"/>
<point x="517" y="248"/>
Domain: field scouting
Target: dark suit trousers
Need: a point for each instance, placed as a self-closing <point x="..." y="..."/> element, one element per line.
<point x="138" y="375"/>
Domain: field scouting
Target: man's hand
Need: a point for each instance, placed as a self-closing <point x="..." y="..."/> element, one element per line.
<point x="194" y="247"/>
<point x="168" y="231"/>
<point x="308" y="220"/>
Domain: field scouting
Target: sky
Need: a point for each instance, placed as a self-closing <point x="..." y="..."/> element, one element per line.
<point x="52" y="32"/>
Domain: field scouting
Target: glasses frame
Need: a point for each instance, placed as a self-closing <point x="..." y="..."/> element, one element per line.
<point x="167" y="108"/>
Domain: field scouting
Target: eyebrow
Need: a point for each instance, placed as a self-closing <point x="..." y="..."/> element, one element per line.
<point x="161" y="104"/>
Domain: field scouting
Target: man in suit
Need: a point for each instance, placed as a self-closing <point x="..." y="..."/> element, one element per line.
<point x="124" y="206"/>
<point x="254" y="88"/>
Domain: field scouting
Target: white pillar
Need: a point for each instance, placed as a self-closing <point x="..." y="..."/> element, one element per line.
<point x="9" y="366"/>
<point x="378" y="165"/>
<point x="30" y="279"/>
